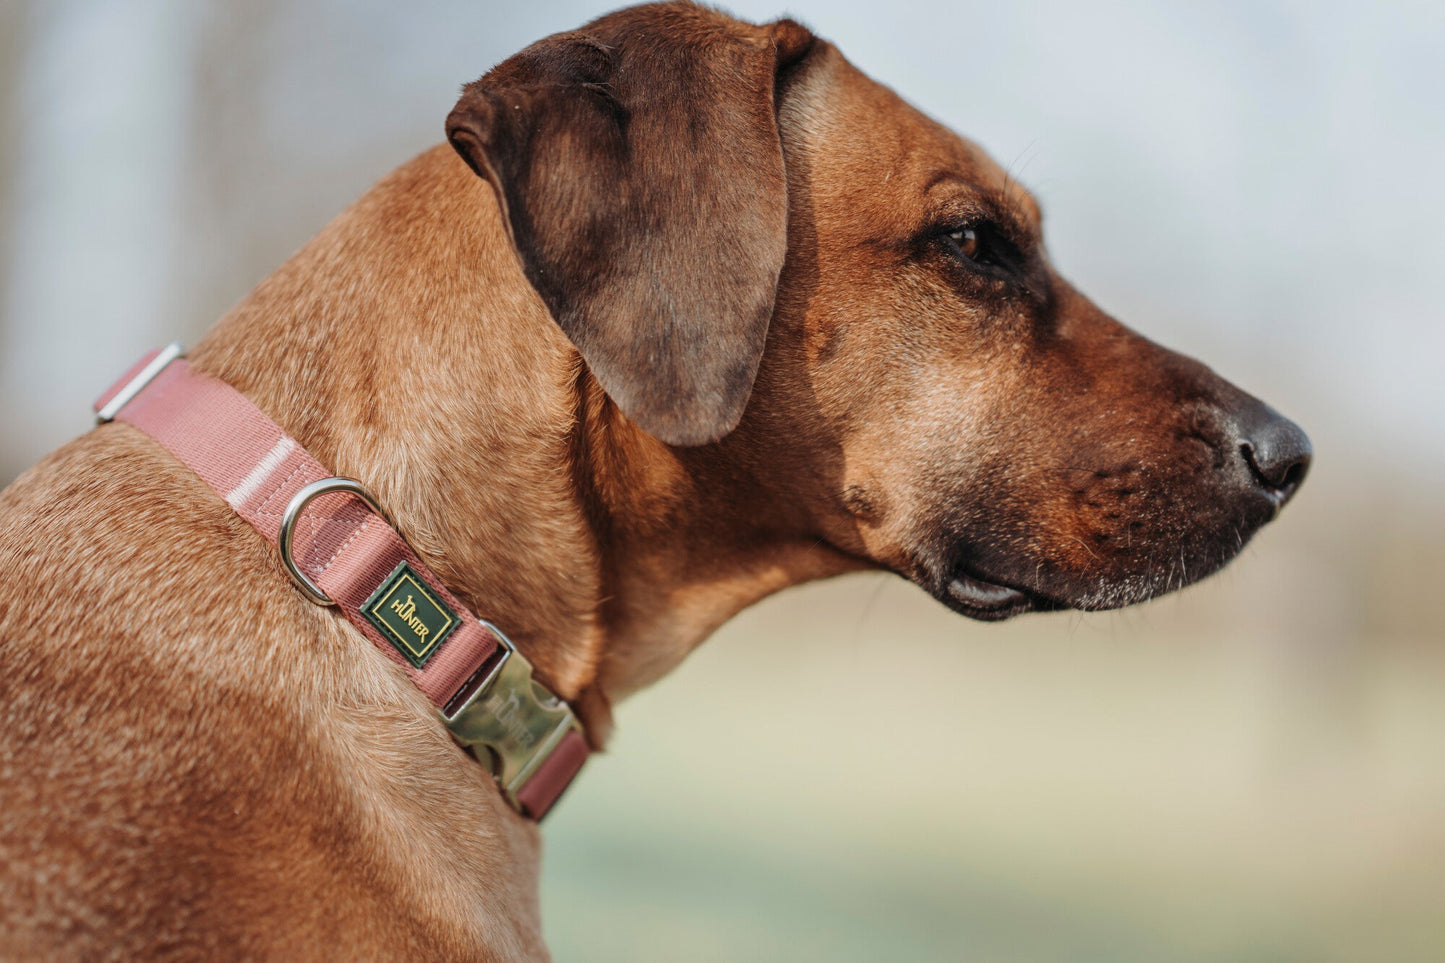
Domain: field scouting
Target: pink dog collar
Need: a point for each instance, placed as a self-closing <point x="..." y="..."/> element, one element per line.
<point x="342" y="550"/>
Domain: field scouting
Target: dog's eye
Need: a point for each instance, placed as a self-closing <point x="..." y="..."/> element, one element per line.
<point x="981" y="243"/>
<point x="965" y="239"/>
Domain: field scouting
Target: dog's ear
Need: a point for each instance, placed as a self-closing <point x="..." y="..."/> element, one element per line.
<point x="639" y="169"/>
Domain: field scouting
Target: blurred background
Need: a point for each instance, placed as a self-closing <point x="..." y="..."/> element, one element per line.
<point x="1251" y="770"/>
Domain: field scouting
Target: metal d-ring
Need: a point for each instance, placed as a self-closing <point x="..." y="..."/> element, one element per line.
<point x="293" y="511"/>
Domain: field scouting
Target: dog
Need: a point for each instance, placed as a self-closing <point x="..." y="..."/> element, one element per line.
<point x="686" y="311"/>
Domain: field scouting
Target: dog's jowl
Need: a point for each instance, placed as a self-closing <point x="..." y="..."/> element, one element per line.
<point x="686" y="310"/>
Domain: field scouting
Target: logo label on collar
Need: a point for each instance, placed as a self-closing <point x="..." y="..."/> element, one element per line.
<point x="409" y="615"/>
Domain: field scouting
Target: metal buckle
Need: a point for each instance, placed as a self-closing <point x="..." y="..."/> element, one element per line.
<point x="513" y="718"/>
<point x="137" y="384"/>
<point x="508" y="720"/>
<point x="293" y="511"/>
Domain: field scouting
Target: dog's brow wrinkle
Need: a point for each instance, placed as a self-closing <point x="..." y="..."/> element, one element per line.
<point x="947" y="176"/>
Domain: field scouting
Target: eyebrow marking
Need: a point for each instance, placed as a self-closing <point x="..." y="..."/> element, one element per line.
<point x="1010" y="204"/>
<point x="943" y="176"/>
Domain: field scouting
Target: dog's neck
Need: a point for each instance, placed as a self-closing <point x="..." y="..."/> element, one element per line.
<point x="404" y="346"/>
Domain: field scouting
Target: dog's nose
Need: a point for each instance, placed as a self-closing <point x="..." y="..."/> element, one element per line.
<point x="1276" y="450"/>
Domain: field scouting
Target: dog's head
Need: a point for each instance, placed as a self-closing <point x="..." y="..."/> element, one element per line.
<point x="775" y="263"/>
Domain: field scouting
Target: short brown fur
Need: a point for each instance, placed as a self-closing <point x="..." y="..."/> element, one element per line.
<point x="200" y="764"/>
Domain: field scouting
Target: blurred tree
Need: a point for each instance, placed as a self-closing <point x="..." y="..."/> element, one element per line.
<point x="14" y="22"/>
<point x="228" y="196"/>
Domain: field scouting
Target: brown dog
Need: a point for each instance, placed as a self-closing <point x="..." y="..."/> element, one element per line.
<point x="690" y="310"/>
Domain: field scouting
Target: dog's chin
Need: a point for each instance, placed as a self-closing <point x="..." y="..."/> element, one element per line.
<point x="970" y="590"/>
<point x="987" y="601"/>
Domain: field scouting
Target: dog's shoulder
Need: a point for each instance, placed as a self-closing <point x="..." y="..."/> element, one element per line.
<point x="183" y="769"/>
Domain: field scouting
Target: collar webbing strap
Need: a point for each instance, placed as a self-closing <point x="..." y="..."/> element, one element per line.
<point x="343" y="551"/>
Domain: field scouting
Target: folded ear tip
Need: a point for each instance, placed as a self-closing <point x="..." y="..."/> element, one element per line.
<point x="473" y="114"/>
<point x="791" y="39"/>
<point x="469" y="127"/>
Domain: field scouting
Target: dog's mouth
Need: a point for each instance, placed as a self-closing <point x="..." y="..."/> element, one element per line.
<point x="988" y="601"/>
